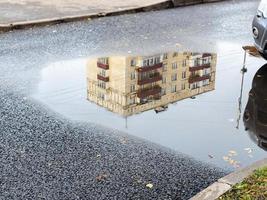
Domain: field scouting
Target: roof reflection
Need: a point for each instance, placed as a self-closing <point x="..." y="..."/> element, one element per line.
<point x="128" y="85"/>
<point x="255" y="115"/>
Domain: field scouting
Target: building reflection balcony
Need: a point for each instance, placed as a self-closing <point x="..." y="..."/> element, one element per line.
<point x="151" y="78"/>
<point x="144" y="93"/>
<point x="199" y="67"/>
<point x="102" y="65"/>
<point x="197" y="78"/>
<point x="134" y="84"/>
<point x="150" y="68"/>
<point x="204" y="55"/>
<point x="102" y="78"/>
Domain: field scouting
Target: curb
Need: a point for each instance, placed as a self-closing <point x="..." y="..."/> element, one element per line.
<point x="224" y="184"/>
<point x="57" y="20"/>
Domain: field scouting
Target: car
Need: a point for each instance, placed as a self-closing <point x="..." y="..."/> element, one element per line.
<point x="259" y="29"/>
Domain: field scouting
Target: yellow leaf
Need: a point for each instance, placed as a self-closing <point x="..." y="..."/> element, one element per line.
<point x="225" y="158"/>
<point x="232" y="153"/>
<point x="231" y="161"/>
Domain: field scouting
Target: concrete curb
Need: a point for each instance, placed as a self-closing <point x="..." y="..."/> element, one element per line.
<point x="224" y="184"/>
<point x="50" y="21"/>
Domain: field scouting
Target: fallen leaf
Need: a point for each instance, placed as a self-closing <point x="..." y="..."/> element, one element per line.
<point x="101" y="177"/>
<point x="231" y="161"/>
<point x="232" y="153"/>
<point x="226" y="158"/>
<point x="123" y="140"/>
<point x="149" y="185"/>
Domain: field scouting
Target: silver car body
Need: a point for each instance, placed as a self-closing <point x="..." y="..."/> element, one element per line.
<point x="259" y="28"/>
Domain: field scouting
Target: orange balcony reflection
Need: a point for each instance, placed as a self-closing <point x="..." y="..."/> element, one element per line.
<point x="199" y="67"/>
<point x="150" y="68"/>
<point x="143" y="93"/>
<point x="102" y="78"/>
<point x="151" y="79"/>
<point x="196" y="78"/>
<point x="102" y="65"/>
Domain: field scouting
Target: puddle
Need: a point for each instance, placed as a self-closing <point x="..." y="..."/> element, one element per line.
<point x="182" y="100"/>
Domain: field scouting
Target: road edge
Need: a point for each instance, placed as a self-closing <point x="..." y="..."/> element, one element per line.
<point x="224" y="184"/>
<point x="165" y="4"/>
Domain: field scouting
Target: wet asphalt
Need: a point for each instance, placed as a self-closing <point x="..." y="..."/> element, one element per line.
<point x="45" y="156"/>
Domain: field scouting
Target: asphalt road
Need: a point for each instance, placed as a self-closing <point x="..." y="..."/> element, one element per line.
<point x="44" y="156"/>
<point x="196" y="28"/>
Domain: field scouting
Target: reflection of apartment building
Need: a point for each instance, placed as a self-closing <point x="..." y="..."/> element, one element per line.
<point x="130" y="85"/>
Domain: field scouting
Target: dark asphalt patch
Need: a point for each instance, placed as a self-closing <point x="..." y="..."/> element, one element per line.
<point x="44" y="156"/>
